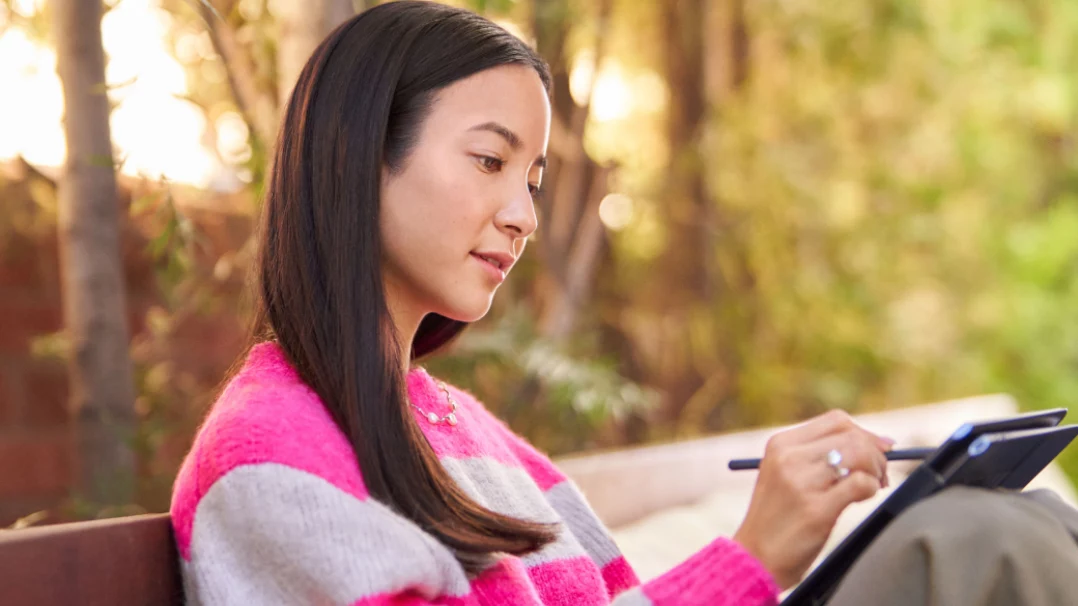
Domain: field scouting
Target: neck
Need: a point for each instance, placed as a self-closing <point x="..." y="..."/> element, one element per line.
<point x="406" y="318"/>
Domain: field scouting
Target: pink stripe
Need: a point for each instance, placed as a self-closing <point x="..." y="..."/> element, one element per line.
<point x="487" y="435"/>
<point x="537" y="465"/>
<point x="569" y="582"/>
<point x="619" y="576"/>
<point x="721" y="574"/>
<point x="574" y="582"/>
<point x="265" y="415"/>
<point x="479" y="433"/>
<point x="470" y="438"/>
<point x="412" y="599"/>
<point x="507" y="582"/>
<point x="182" y="509"/>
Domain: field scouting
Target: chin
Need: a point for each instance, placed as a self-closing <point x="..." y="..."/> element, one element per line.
<point x="467" y="311"/>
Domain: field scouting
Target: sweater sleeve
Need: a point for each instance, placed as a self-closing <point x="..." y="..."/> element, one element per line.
<point x="721" y="574"/>
<point x="272" y="534"/>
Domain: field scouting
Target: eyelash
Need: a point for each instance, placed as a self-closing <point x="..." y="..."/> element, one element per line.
<point x="536" y="192"/>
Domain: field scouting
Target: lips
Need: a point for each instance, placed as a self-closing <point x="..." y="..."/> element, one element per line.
<point x="491" y="260"/>
<point x="501" y="261"/>
<point x="497" y="264"/>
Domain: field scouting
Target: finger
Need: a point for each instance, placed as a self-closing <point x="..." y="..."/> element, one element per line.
<point x="808" y="464"/>
<point x="858" y="453"/>
<point x="831" y="422"/>
<point x="886" y="444"/>
<point x="878" y="448"/>
<point x="865" y="453"/>
<point x="856" y="487"/>
<point x="870" y="448"/>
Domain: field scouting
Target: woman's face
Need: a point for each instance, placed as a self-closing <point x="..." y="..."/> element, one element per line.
<point x="457" y="215"/>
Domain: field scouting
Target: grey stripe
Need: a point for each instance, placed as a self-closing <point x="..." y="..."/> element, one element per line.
<point x="571" y="505"/>
<point x="271" y="534"/>
<point x="512" y="492"/>
<point x="632" y="597"/>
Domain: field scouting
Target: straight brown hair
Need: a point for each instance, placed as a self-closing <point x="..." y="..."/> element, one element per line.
<point x="359" y="106"/>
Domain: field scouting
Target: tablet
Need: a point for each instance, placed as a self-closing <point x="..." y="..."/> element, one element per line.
<point x="1000" y="453"/>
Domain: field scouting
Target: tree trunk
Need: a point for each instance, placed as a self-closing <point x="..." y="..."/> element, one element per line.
<point x="683" y="283"/>
<point x="706" y="70"/>
<point x="572" y="241"/>
<point x="303" y="25"/>
<point x="687" y="206"/>
<point x="102" y="394"/>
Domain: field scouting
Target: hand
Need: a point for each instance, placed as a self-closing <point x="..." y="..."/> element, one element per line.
<point x="798" y="496"/>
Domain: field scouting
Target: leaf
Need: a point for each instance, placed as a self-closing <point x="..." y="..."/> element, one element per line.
<point x="157" y="246"/>
<point x="51" y="346"/>
<point x="29" y="520"/>
<point x="142" y="203"/>
<point x="101" y="160"/>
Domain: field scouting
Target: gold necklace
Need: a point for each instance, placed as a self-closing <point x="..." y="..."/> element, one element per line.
<point x="433" y="418"/>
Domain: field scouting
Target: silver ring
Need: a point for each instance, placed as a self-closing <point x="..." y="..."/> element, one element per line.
<point x="834" y="461"/>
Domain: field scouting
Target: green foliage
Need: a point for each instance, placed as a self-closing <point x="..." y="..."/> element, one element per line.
<point x="561" y="401"/>
<point x="895" y="214"/>
<point x="897" y="188"/>
<point x="175" y="240"/>
<point x="894" y="195"/>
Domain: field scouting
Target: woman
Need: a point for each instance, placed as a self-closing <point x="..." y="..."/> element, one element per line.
<point x="332" y="469"/>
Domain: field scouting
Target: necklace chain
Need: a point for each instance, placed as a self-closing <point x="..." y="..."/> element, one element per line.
<point x="451" y="417"/>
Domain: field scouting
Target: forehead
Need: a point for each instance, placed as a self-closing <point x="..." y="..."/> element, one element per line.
<point x="512" y="95"/>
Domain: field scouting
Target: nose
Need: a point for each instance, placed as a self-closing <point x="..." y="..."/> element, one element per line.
<point x="517" y="217"/>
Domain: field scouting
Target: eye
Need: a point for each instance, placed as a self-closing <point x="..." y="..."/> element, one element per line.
<point x="490" y="163"/>
<point x="536" y="192"/>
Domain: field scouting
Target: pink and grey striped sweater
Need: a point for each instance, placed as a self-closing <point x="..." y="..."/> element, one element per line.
<point x="270" y="508"/>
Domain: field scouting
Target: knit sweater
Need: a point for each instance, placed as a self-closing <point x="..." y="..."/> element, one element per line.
<point x="270" y="508"/>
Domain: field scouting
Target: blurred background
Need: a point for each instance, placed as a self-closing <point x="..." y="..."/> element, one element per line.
<point x="755" y="212"/>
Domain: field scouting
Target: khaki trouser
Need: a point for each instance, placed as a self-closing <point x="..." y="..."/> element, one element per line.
<point x="971" y="547"/>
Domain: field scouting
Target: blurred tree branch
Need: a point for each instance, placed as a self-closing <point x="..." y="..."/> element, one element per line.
<point x="301" y="26"/>
<point x="257" y="103"/>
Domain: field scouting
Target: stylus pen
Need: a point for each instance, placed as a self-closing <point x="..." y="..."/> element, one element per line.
<point x="903" y="454"/>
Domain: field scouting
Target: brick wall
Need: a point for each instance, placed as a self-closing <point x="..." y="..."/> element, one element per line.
<point x="36" y="456"/>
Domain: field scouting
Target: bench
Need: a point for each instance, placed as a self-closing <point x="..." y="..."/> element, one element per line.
<point x="119" y="561"/>
<point x="683" y="496"/>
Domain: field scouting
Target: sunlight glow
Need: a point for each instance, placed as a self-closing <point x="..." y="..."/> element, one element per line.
<point x="154" y="131"/>
<point x="618" y="93"/>
<point x="611" y="98"/>
<point x="30" y="120"/>
<point x="27" y="8"/>
<point x="616" y="211"/>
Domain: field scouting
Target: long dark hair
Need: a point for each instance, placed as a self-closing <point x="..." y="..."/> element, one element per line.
<point x="358" y="106"/>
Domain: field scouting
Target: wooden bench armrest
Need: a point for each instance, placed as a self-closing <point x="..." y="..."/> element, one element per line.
<point x="131" y="560"/>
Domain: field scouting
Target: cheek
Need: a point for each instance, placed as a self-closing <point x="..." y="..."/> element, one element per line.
<point x="436" y="213"/>
<point x="424" y="221"/>
<point x="458" y="212"/>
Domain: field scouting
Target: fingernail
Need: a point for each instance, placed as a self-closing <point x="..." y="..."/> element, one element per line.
<point x="889" y="443"/>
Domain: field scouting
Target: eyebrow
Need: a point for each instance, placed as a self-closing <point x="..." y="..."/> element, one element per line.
<point x="510" y="137"/>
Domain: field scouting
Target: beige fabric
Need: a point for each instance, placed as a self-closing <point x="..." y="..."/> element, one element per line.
<point x="971" y="547"/>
